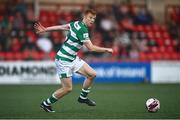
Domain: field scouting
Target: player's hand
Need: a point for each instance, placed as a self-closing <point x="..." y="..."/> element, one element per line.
<point x="39" y="28"/>
<point x="110" y="50"/>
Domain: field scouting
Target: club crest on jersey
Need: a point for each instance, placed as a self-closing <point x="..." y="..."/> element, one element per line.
<point x="86" y="35"/>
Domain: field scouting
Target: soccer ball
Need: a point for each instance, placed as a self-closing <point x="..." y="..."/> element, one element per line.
<point x="152" y="105"/>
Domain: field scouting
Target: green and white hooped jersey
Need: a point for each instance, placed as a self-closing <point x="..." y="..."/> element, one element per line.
<point x="78" y="34"/>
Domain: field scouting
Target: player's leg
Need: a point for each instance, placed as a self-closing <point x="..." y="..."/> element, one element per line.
<point x="90" y="74"/>
<point x="66" y="88"/>
<point x="59" y="93"/>
<point x="64" y="71"/>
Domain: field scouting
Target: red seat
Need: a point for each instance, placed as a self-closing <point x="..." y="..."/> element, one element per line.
<point x="158" y="55"/>
<point x="2" y="55"/>
<point x="43" y="12"/>
<point x="162" y="49"/>
<point x="154" y="49"/>
<point x="36" y="55"/>
<point x="56" y="35"/>
<point x="160" y="41"/>
<point x="52" y="55"/>
<point x="163" y="28"/>
<point x="150" y="56"/>
<point x="174" y="42"/>
<point x="140" y="28"/>
<point x="81" y="54"/>
<point x="148" y="28"/>
<point x="157" y="34"/>
<point x="174" y="56"/>
<point x="53" y="17"/>
<point x="44" y="18"/>
<point x="170" y="49"/>
<point x="142" y="56"/>
<point x="151" y="35"/>
<point x="9" y="56"/>
<point x="168" y="42"/>
<point x="178" y="56"/>
<point x="32" y="36"/>
<point x="18" y="56"/>
<point x="165" y="35"/>
<point x="1" y="17"/>
<point x="156" y="27"/>
<point x="166" y="56"/>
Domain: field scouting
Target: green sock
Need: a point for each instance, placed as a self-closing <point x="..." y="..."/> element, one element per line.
<point x="50" y="100"/>
<point x="84" y="93"/>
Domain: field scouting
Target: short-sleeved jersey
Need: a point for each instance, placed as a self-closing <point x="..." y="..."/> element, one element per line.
<point x="77" y="34"/>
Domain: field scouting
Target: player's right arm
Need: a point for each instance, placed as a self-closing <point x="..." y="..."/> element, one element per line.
<point x="40" y="28"/>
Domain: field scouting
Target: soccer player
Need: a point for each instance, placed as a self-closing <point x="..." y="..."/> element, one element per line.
<point x="67" y="62"/>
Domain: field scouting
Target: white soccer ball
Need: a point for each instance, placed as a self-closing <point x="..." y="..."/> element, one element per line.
<point x="152" y="105"/>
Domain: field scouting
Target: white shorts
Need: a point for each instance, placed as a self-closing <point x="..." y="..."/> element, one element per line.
<point x="66" y="69"/>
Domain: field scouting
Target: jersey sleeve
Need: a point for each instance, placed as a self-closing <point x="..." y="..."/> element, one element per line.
<point x="83" y="35"/>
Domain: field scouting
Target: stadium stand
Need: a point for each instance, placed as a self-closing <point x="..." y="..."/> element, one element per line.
<point x="130" y="29"/>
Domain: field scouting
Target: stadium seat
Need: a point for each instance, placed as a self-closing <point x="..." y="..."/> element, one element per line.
<point x="150" y="35"/>
<point x="174" y="56"/>
<point x="178" y="56"/>
<point x="32" y="36"/>
<point x="2" y="55"/>
<point x="163" y="28"/>
<point x="162" y="49"/>
<point x="154" y="49"/>
<point x="18" y="56"/>
<point x="142" y="56"/>
<point x="52" y="55"/>
<point x="170" y="49"/>
<point x="167" y="42"/>
<point x="36" y="55"/>
<point x="166" y="56"/>
<point x="148" y="28"/>
<point x="165" y="35"/>
<point x="156" y="27"/>
<point x="9" y="56"/>
<point x="157" y="34"/>
<point x="158" y="55"/>
<point x="160" y="41"/>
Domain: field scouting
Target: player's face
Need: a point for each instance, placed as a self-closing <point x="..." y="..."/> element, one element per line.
<point x="89" y="19"/>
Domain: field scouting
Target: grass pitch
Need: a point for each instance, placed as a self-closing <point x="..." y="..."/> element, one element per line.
<point x="114" y="101"/>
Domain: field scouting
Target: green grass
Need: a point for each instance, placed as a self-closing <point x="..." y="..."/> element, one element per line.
<point x="113" y="101"/>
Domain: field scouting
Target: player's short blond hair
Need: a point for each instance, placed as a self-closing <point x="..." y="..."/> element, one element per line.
<point x="91" y="11"/>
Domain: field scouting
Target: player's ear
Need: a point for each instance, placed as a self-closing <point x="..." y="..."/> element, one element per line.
<point x="82" y="16"/>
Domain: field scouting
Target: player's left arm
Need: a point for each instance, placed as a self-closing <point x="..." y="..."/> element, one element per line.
<point x="95" y="48"/>
<point x="84" y="37"/>
<point x="40" y="28"/>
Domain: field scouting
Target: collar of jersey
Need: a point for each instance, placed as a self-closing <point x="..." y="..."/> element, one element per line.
<point x="83" y="23"/>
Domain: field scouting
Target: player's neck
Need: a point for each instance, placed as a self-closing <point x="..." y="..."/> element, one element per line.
<point x="84" y="22"/>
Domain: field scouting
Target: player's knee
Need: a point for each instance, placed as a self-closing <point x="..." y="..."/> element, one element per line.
<point x="92" y="75"/>
<point x="67" y="89"/>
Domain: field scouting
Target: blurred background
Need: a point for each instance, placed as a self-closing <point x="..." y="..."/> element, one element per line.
<point x="139" y="31"/>
<point x="145" y="36"/>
